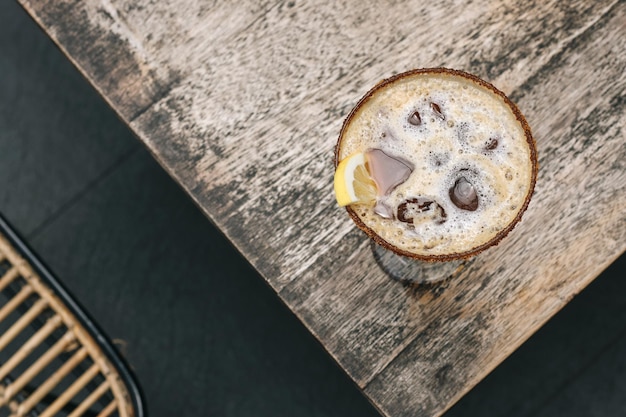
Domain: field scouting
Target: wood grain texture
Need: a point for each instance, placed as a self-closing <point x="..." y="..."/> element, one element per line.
<point x="272" y="127"/>
<point x="557" y="355"/>
<point x="553" y="266"/>
<point x="105" y="50"/>
<point x="242" y="104"/>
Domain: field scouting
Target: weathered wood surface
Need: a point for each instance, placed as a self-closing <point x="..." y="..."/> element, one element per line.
<point x="242" y="102"/>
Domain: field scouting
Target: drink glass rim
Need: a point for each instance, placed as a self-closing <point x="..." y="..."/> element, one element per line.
<point x="529" y="139"/>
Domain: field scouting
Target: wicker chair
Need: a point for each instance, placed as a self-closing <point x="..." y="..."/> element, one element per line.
<point x="54" y="361"/>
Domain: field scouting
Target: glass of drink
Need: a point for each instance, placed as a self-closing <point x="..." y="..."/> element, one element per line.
<point x="435" y="166"/>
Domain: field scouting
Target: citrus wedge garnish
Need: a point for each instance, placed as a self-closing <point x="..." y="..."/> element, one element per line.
<point x="353" y="182"/>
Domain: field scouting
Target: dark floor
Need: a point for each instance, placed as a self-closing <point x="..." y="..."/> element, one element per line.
<point x="202" y="331"/>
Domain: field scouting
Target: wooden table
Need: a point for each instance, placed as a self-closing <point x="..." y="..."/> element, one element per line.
<point x="241" y="102"/>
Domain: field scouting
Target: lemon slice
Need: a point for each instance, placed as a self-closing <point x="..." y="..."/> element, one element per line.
<point x="353" y="182"/>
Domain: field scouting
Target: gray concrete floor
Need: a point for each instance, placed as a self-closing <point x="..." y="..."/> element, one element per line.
<point x="202" y="331"/>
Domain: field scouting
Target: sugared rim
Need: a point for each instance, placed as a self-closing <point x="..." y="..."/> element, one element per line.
<point x="529" y="139"/>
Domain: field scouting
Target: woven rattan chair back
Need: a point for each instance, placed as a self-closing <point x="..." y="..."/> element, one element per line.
<point x="53" y="360"/>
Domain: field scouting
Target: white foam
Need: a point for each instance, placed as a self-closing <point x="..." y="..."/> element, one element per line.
<point x="440" y="149"/>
